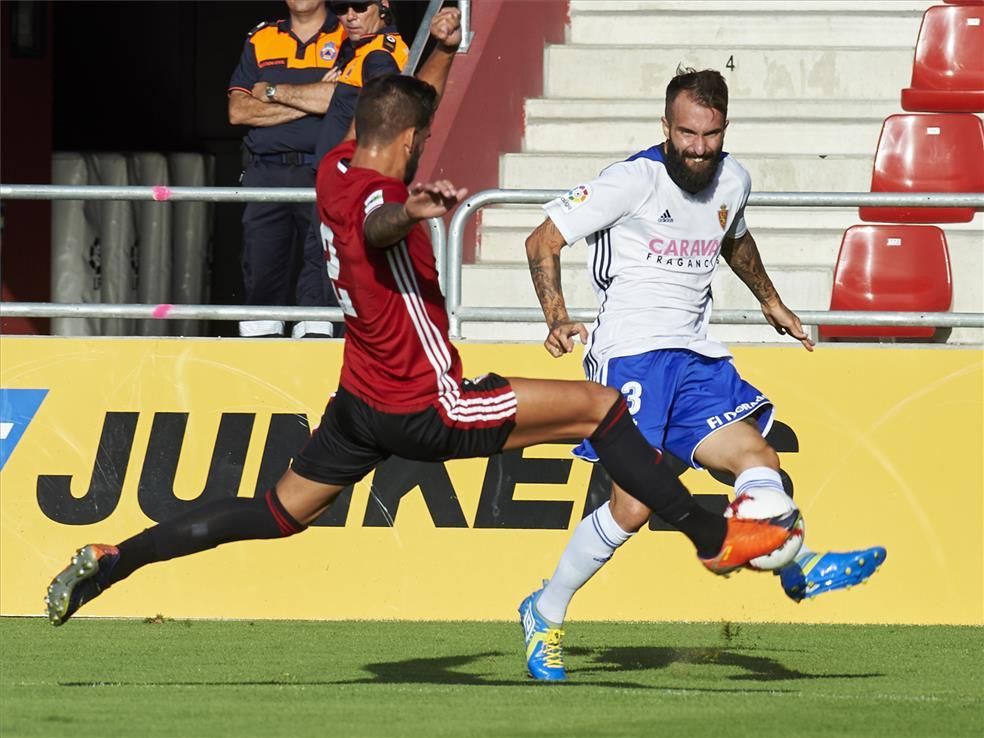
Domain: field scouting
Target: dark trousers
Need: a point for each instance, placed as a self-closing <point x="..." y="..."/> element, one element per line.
<point x="313" y="286"/>
<point x="273" y="234"/>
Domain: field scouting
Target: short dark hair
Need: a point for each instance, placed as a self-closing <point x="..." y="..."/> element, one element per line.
<point x="708" y="87"/>
<point x="391" y="104"/>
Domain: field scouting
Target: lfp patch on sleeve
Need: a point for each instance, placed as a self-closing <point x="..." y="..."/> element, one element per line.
<point x="575" y="198"/>
<point x="374" y="201"/>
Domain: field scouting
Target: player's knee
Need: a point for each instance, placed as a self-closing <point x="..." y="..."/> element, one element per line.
<point x="628" y="512"/>
<point x="768" y="456"/>
<point x="287" y="524"/>
<point x="752" y="453"/>
<point x="758" y="452"/>
<point x="603" y="399"/>
<point x="304" y="499"/>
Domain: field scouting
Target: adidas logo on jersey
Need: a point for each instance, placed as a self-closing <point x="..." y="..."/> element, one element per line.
<point x="665" y="217"/>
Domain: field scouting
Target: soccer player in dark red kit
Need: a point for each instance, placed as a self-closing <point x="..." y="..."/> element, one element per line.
<point x="401" y="390"/>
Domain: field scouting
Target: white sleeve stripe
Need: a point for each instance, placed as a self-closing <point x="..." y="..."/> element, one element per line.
<point x="401" y="267"/>
<point x="374" y="201"/>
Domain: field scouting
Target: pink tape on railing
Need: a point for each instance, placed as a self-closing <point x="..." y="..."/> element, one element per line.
<point x="161" y="193"/>
<point x="161" y="311"/>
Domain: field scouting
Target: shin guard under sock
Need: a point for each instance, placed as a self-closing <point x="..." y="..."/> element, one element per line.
<point x="205" y="527"/>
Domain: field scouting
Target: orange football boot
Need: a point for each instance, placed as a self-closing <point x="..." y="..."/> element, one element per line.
<point x="744" y="541"/>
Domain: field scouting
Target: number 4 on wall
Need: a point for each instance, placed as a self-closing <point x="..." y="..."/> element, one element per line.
<point x="730" y="64"/>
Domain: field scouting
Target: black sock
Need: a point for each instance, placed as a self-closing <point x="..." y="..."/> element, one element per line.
<point x="636" y="467"/>
<point x="705" y="529"/>
<point x="205" y="527"/>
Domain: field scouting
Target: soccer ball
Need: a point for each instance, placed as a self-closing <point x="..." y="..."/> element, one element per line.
<point x="779" y="509"/>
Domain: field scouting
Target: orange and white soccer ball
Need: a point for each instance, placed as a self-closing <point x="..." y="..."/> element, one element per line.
<point x="763" y="503"/>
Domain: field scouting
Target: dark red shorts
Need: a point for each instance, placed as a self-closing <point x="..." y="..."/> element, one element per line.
<point x="354" y="438"/>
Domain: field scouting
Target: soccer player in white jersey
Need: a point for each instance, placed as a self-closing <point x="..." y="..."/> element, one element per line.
<point x="655" y="225"/>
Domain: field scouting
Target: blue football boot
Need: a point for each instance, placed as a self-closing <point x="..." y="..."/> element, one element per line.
<point x="812" y="574"/>
<point x="82" y="580"/>
<point x="544" y="653"/>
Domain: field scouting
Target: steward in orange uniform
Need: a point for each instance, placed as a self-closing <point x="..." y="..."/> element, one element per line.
<point x="369" y="57"/>
<point x="279" y="155"/>
<point x="373" y="55"/>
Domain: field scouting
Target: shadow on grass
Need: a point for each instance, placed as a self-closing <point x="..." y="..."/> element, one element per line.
<point x="654" y="658"/>
<point x="592" y="665"/>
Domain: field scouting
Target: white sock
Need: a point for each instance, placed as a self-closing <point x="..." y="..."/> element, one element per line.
<point x="593" y="543"/>
<point x="763" y="476"/>
<point x="758" y="476"/>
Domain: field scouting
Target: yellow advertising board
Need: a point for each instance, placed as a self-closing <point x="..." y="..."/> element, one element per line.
<point x="100" y="438"/>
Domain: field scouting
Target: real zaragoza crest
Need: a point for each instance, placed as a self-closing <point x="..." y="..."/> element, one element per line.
<point x="723" y="215"/>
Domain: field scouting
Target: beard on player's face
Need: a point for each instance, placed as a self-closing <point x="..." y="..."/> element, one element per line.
<point x="411" y="169"/>
<point x="414" y="160"/>
<point x="689" y="172"/>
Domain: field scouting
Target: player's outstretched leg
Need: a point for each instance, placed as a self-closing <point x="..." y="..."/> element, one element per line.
<point x="96" y="567"/>
<point x="85" y="577"/>
<point x="812" y="574"/>
<point x="555" y="410"/>
<point x="544" y="651"/>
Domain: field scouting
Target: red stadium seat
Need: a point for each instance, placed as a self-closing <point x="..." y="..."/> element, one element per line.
<point x="928" y="153"/>
<point x="948" y="69"/>
<point x="890" y="267"/>
<point x="964" y="2"/>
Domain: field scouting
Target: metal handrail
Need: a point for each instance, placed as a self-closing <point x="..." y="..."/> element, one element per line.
<point x="456" y="230"/>
<point x="420" y="39"/>
<point x="480" y="314"/>
<point x="161" y="193"/>
<point x="166" y="312"/>
<point x="746" y="317"/>
<point x="158" y="193"/>
<point x="448" y="247"/>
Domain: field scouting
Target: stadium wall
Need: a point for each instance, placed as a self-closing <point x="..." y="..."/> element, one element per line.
<point x="99" y="438"/>
<point x="482" y="111"/>
<point x="26" y="64"/>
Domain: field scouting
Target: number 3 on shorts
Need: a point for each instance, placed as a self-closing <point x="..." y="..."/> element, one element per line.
<point x="633" y="396"/>
<point x="328" y="244"/>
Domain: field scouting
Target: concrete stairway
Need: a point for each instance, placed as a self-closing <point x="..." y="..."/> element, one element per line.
<point x="810" y="85"/>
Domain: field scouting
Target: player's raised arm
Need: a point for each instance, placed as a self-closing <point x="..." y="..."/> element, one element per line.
<point x="390" y="223"/>
<point x="445" y="29"/>
<point x="743" y="257"/>
<point x="543" y="248"/>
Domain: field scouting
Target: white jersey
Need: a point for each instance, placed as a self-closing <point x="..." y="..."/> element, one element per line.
<point x="652" y="252"/>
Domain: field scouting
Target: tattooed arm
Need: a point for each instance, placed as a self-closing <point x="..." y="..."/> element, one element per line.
<point x="743" y="257"/>
<point x="390" y="223"/>
<point x="543" y="252"/>
<point x="387" y="225"/>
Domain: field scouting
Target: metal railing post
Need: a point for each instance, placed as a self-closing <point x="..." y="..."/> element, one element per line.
<point x="439" y="242"/>
<point x="420" y="39"/>
<point x="466" y="32"/>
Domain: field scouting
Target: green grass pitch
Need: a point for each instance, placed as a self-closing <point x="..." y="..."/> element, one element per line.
<point x="106" y="678"/>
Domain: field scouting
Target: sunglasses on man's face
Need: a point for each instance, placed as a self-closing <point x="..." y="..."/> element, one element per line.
<point x="341" y="9"/>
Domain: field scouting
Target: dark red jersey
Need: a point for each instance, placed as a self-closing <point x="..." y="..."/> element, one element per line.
<point x="398" y="357"/>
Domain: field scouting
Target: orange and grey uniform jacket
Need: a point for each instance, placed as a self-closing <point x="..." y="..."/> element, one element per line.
<point x="368" y="58"/>
<point x="273" y="54"/>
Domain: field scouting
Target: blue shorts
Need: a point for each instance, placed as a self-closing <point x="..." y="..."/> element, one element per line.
<point x="678" y="398"/>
